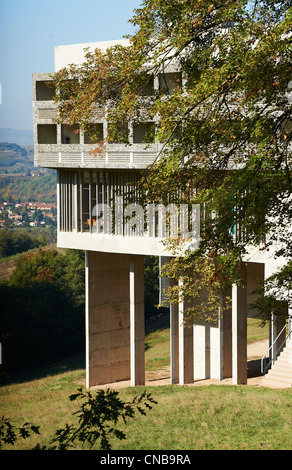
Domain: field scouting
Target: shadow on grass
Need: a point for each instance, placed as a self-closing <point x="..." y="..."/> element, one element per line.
<point x="76" y="362"/>
<point x="65" y="365"/>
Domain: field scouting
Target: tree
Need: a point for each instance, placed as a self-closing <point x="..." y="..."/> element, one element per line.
<point x="224" y="125"/>
<point x="12" y="243"/>
<point x="42" y="310"/>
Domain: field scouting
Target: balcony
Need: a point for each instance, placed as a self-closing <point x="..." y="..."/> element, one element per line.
<point x="62" y="146"/>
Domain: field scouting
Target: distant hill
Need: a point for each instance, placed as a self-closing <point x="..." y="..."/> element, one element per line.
<point x="28" y="188"/>
<point x="16" y="136"/>
<point x="15" y="158"/>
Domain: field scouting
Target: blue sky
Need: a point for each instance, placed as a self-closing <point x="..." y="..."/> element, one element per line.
<point x="29" y="31"/>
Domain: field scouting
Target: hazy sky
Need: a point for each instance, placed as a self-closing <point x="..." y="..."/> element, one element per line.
<point x="29" y="31"/>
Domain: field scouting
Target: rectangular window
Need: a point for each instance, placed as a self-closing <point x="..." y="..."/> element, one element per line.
<point x="118" y="134"/>
<point x="67" y="89"/>
<point x="69" y="134"/>
<point x="47" y="133"/>
<point x="169" y="82"/>
<point x="45" y="91"/>
<point x="90" y="193"/>
<point x="67" y="201"/>
<point x="144" y="133"/>
<point x="96" y="134"/>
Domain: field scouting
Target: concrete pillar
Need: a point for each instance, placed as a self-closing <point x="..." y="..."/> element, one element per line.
<point x="114" y="318"/>
<point x="255" y="280"/>
<point x="181" y="349"/>
<point x="227" y="339"/>
<point x="239" y="329"/>
<point x="209" y="352"/>
<point x="164" y="284"/>
<point x="202" y="350"/>
<point x="137" y="323"/>
<point x="209" y="344"/>
<point x="175" y="345"/>
<point x="185" y="348"/>
<point x="172" y="343"/>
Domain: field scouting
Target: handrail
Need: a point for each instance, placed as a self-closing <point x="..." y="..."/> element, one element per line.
<point x="263" y="369"/>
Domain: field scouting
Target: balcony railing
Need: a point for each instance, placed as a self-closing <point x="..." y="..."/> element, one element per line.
<point x="79" y="156"/>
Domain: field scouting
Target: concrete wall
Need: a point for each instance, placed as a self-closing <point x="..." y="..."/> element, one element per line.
<point x="115" y="318"/>
<point x="75" y="53"/>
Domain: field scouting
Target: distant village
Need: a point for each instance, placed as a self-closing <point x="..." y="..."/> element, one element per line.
<point x="33" y="214"/>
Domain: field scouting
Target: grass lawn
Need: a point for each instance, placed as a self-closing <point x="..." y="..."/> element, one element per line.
<point x="185" y="418"/>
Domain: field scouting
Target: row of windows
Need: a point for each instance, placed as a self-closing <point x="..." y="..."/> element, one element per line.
<point x="81" y="192"/>
<point x="110" y="202"/>
<point x="167" y="82"/>
<point x="47" y="134"/>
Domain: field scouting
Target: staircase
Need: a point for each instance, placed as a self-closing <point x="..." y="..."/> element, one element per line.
<point x="280" y="374"/>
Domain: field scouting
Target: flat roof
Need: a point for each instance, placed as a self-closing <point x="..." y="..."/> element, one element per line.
<point x="75" y="53"/>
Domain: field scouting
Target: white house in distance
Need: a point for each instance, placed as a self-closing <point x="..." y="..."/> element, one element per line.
<point x="93" y="202"/>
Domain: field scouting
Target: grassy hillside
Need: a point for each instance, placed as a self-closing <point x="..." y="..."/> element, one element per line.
<point x="185" y="418"/>
<point x="19" y="179"/>
<point x="15" y="158"/>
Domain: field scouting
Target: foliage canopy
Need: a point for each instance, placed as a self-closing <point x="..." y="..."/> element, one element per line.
<point x="224" y="125"/>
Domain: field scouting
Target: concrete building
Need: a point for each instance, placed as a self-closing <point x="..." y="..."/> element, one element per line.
<point x="115" y="246"/>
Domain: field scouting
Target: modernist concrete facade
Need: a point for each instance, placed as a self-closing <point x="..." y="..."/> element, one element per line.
<point x="114" y="260"/>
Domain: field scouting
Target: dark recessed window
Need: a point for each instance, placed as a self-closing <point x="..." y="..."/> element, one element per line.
<point x="95" y="134"/>
<point x="144" y="133"/>
<point x="69" y="134"/>
<point x="45" y="91"/>
<point x="47" y="133"/>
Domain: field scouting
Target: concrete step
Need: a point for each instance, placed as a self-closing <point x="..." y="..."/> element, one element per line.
<point x="275" y="383"/>
<point x="284" y="369"/>
<point x="285" y="353"/>
<point x="282" y="365"/>
<point x="280" y="374"/>
<point x="275" y="375"/>
<point x="284" y="359"/>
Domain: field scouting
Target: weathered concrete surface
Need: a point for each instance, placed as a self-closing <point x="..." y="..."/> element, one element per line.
<point x="108" y="318"/>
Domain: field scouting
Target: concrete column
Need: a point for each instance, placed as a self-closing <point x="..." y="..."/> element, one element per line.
<point x="239" y="330"/>
<point x="227" y="340"/>
<point x="137" y="323"/>
<point x="185" y="348"/>
<point x="255" y="280"/>
<point x="175" y="343"/>
<point x="114" y="293"/>
<point x="209" y="350"/>
<point x="181" y="358"/>
<point x="182" y="350"/>
<point x="172" y="342"/>
<point x="220" y="342"/>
